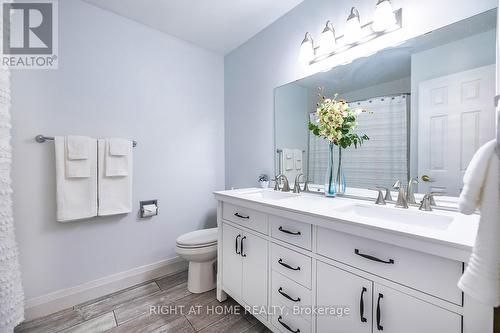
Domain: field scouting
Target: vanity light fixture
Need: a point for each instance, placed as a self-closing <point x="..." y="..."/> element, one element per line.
<point x="330" y="44"/>
<point x="384" y="17"/>
<point x="353" y="32"/>
<point x="307" y="51"/>
<point x="327" y="42"/>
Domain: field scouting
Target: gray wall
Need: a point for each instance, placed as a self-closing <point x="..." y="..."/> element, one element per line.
<point x="464" y="54"/>
<point x="116" y="78"/>
<point x="269" y="60"/>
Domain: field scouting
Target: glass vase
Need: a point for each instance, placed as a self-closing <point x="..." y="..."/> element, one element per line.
<point x="335" y="180"/>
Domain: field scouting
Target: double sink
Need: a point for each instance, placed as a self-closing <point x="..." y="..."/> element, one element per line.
<point x="354" y="210"/>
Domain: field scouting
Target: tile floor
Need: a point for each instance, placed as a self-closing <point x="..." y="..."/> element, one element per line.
<point x="163" y="305"/>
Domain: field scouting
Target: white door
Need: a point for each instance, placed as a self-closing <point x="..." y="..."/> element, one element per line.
<point x="340" y="288"/>
<point x="231" y="258"/>
<point x="455" y="117"/>
<point x="255" y="267"/>
<point x="395" y="312"/>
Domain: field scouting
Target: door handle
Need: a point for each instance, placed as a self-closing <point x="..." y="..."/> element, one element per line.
<point x="286" y="326"/>
<point x="280" y="290"/>
<point x="241" y="216"/>
<point x="369" y="257"/>
<point x="241" y="246"/>
<point x="296" y="233"/>
<point x="362" y="306"/>
<point x="280" y="261"/>
<point x="236" y="244"/>
<point x="379" y="327"/>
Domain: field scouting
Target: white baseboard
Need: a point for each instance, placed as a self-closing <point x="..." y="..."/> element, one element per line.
<point x="62" y="299"/>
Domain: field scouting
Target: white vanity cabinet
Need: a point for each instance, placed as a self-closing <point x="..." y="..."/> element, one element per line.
<point x="245" y="269"/>
<point x="330" y="276"/>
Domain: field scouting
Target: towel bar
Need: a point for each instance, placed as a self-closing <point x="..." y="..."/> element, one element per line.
<point x="42" y="138"/>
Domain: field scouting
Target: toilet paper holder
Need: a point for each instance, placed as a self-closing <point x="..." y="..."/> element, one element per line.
<point x="144" y="213"/>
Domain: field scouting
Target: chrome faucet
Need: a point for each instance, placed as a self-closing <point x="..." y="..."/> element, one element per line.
<point x="306" y="186"/>
<point x="428" y="201"/>
<point x="401" y="202"/>
<point x="380" y="198"/>
<point x="410" y="195"/>
<point x="296" y="185"/>
<point x="286" y="186"/>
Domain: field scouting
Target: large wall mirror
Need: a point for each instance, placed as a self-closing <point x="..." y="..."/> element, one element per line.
<point x="431" y="107"/>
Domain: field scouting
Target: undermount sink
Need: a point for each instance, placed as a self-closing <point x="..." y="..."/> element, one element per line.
<point x="388" y="214"/>
<point x="270" y="195"/>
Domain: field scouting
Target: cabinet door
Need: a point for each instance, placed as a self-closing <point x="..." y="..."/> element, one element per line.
<point x="231" y="259"/>
<point x="396" y="312"/>
<point x="255" y="270"/>
<point x="338" y="288"/>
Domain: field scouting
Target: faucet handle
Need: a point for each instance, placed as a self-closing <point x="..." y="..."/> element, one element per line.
<point x="380" y="198"/>
<point x="428" y="201"/>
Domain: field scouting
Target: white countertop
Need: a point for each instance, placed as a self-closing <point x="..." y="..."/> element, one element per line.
<point x="458" y="234"/>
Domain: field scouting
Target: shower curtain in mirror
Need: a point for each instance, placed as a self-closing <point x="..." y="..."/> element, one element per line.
<point x="11" y="292"/>
<point x="380" y="161"/>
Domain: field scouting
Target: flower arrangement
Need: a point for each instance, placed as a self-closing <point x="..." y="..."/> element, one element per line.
<point x="337" y="122"/>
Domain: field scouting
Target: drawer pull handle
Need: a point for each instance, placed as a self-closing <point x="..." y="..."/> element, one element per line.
<point x="369" y="257"/>
<point x="241" y="246"/>
<point x="241" y="216"/>
<point x="280" y="290"/>
<point x="288" y="266"/>
<point x="236" y="244"/>
<point x="296" y="233"/>
<point x="379" y="327"/>
<point x="362" y="306"/>
<point x="286" y="326"/>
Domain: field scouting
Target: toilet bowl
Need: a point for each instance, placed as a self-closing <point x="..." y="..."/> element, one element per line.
<point x="200" y="249"/>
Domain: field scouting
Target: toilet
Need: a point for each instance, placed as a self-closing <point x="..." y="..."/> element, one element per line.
<point x="200" y="249"/>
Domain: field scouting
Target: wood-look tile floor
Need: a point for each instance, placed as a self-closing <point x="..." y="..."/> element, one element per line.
<point x="160" y="306"/>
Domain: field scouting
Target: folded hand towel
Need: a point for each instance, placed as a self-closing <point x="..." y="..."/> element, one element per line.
<point x="288" y="159"/>
<point x="481" y="279"/>
<point x="77" y="162"/>
<point x="297" y="156"/>
<point x="76" y="197"/>
<point x="117" y="157"/>
<point x="119" y="147"/>
<point x="78" y="147"/>
<point x="115" y="193"/>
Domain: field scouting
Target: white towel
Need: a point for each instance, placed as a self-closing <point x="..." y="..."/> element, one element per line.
<point x="288" y="159"/>
<point x="481" y="279"/>
<point x="76" y="197"/>
<point x="118" y="152"/>
<point x="115" y="193"/>
<point x="77" y="162"/>
<point x="297" y="156"/>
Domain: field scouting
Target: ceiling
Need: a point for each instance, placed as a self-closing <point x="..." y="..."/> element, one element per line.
<point x="217" y="25"/>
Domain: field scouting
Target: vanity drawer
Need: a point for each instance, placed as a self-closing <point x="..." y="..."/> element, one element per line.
<point x="291" y="264"/>
<point x="431" y="274"/>
<point x="290" y="293"/>
<point x="288" y="321"/>
<point x="293" y="232"/>
<point x="249" y="218"/>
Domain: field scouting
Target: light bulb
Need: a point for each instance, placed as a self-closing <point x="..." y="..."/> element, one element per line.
<point x="306" y="49"/>
<point x="383" y="18"/>
<point x="353" y="27"/>
<point x="327" y="42"/>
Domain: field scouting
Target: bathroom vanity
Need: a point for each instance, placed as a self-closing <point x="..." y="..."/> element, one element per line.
<point x="345" y="265"/>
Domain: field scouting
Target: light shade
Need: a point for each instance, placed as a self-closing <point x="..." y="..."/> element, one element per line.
<point x="383" y="18"/>
<point x="327" y="41"/>
<point x="306" y="49"/>
<point x="353" y="31"/>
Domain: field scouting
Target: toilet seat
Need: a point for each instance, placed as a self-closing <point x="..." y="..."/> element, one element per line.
<point x="198" y="238"/>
